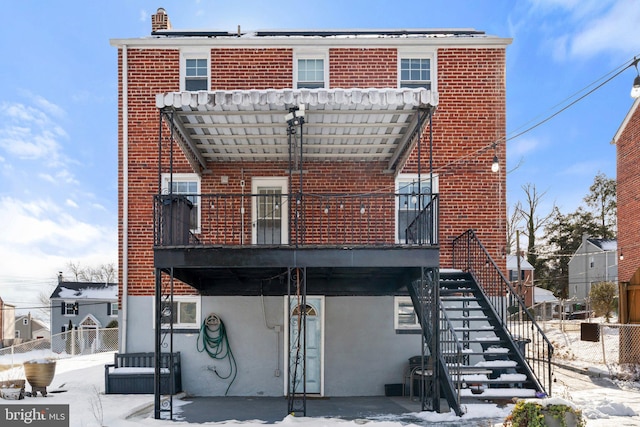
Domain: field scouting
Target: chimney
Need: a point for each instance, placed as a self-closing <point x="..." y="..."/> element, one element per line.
<point x="59" y="276"/>
<point x="160" y="21"/>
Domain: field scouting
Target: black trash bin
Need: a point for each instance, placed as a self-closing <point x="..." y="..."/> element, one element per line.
<point x="176" y="220"/>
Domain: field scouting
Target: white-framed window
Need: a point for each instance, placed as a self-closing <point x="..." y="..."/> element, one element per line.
<point x="416" y="209"/>
<point x="186" y="312"/>
<point x="69" y="308"/>
<point x="25" y="321"/>
<point x="112" y="309"/>
<point x="195" y="71"/>
<point x="311" y="70"/>
<point x="17" y="334"/>
<point x="187" y="184"/>
<point x="416" y="70"/>
<point x="404" y="315"/>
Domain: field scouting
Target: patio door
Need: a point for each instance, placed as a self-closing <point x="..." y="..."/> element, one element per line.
<point x="314" y="339"/>
<point x="269" y="217"/>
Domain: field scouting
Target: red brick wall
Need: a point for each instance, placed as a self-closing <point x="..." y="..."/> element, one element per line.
<point x="470" y="116"/>
<point x="628" y="186"/>
<point x="164" y="66"/>
<point x="251" y="69"/>
<point x="363" y="68"/>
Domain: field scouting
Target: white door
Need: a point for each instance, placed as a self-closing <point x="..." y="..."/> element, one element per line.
<point x="269" y="211"/>
<point x="314" y="325"/>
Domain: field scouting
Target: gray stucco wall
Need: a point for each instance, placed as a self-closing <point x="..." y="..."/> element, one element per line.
<point x="362" y="350"/>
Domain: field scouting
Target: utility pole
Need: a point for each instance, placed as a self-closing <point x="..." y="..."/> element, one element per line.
<point x="519" y="273"/>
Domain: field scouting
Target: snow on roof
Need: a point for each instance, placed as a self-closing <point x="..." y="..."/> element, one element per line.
<point x="543" y="295"/>
<point x="86" y="290"/>
<point x="605" y="244"/>
<point x="512" y="263"/>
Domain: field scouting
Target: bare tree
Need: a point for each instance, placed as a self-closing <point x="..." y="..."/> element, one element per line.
<point x="104" y="273"/>
<point x="533" y="220"/>
<point x="513" y="223"/>
<point x="602" y="199"/>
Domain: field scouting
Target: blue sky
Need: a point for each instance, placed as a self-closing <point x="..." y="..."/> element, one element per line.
<point x="58" y="93"/>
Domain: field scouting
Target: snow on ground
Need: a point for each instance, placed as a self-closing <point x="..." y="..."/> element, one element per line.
<point x="79" y="382"/>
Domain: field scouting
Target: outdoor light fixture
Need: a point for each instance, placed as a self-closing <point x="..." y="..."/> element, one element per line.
<point x="362" y="209"/>
<point x="621" y="257"/>
<point x="635" y="89"/>
<point x="495" y="165"/>
<point x="295" y="115"/>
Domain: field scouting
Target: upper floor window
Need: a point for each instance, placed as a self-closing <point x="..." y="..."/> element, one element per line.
<point x="69" y="308"/>
<point x="194" y="71"/>
<point x="187" y="184"/>
<point x="415" y="72"/>
<point x="25" y="321"/>
<point x="310" y="72"/>
<point x="415" y="209"/>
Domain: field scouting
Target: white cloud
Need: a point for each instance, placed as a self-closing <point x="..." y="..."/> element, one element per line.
<point x="29" y="133"/>
<point x="143" y="15"/>
<point x="41" y="237"/>
<point x="598" y="27"/>
<point x="587" y="168"/>
<point x="522" y="146"/>
<point x="616" y="31"/>
<point x="71" y="203"/>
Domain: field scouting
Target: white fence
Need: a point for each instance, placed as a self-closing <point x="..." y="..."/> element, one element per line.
<point x="70" y="343"/>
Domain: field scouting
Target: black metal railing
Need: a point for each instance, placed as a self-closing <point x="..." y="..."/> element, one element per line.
<point x="470" y="255"/>
<point x="444" y="349"/>
<point x="295" y="219"/>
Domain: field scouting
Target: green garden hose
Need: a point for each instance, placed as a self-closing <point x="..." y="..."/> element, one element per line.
<point x="213" y="339"/>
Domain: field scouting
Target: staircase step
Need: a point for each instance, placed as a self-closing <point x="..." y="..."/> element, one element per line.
<point x="460" y="299"/>
<point x="474" y="308"/>
<point x="499" y="393"/>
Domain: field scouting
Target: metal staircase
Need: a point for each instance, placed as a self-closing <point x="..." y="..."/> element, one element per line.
<point x="487" y="346"/>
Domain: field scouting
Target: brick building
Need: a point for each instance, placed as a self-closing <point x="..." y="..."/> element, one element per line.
<point x="627" y="141"/>
<point x="305" y="189"/>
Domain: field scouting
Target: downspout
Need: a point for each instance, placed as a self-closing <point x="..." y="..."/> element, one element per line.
<point x="125" y="198"/>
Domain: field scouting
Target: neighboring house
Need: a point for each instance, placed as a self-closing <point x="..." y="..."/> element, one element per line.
<point x="304" y="182"/>
<point x="85" y="307"/>
<point x="627" y="141"/>
<point x="7" y="323"/>
<point x="29" y="328"/>
<point x="524" y="285"/>
<point x="595" y="261"/>
<point x="547" y="305"/>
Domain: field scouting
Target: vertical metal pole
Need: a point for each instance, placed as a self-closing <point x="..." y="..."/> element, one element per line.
<point x="157" y="347"/>
<point x="301" y="221"/>
<point x="436" y="341"/>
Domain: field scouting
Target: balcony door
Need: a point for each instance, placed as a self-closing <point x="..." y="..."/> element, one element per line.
<point x="269" y="217"/>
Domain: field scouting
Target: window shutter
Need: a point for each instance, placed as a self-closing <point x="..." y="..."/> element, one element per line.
<point x="108" y="309"/>
<point x="64" y="329"/>
<point x="75" y="308"/>
<point x="62" y="305"/>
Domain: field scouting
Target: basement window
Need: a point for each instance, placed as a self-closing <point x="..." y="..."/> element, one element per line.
<point x="405" y="317"/>
<point x="185" y="311"/>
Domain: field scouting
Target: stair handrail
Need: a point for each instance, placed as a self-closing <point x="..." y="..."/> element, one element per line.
<point x="497" y="290"/>
<point x="427" y="321"/>
<point x="449" y="330"/>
